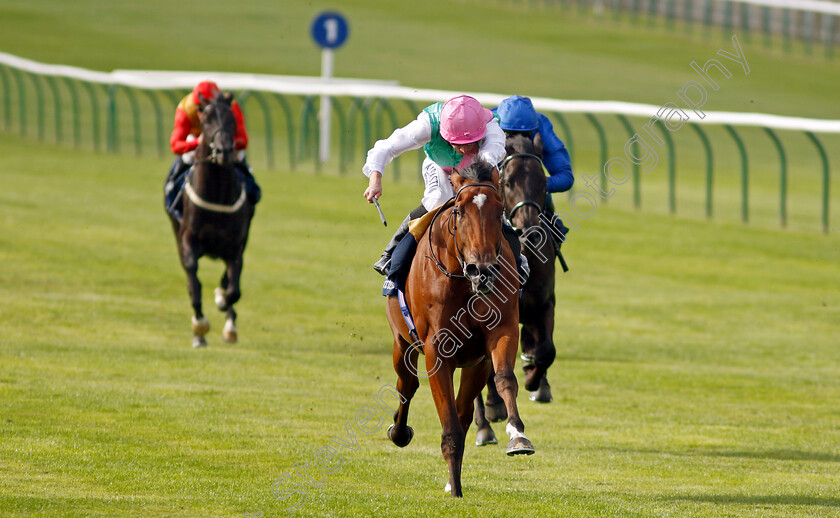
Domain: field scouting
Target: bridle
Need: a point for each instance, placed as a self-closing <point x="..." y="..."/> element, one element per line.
<point x="525" y="203"/>
<point x="214" y="149"/>
<point x="452" y="225"/>
<point x="214" y="159"/>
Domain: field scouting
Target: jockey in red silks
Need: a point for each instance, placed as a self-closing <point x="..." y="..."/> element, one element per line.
<point x="452" y="134"/>
<point x="185" y="139"/>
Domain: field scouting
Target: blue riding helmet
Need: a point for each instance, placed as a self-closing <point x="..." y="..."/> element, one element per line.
<point x="516" y="113"/>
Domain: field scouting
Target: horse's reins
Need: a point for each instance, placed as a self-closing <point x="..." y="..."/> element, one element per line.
<point x="453" y="216"/>
<point x="524" y="203"/>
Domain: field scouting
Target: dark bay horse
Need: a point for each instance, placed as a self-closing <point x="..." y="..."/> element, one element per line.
<point x="216" y="216"/>
<point x="462" y="292"/>
<point x="524" y="194"/>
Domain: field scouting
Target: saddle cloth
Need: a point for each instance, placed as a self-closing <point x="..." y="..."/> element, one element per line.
<point x="404" y="253"/>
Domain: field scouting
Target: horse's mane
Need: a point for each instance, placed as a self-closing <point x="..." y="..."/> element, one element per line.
<point x="479" y="171"/>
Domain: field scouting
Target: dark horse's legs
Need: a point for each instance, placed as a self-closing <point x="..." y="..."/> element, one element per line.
<point x="538" y="349"/>
<point x="228" y="294"/>
<point x="189" y="261"/>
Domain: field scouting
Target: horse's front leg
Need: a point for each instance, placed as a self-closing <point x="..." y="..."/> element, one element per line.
<point x="228" y="294"/>
<point x="200" y="324"/>
<point x="453" y="434"/>
<point x="484" y="434"/>
<point x="495" y="407"/>
<point x="504" y="357"/>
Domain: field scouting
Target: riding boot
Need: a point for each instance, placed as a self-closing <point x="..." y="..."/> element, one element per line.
<point x="252" y="189"/>
<point x="173" y="184"/>
<point x="383" y="265"/>
<point x="557" y="229"/>
<point x="512" y="238"/>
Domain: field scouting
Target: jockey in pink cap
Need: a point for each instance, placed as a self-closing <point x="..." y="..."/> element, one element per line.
<point x="452" y="134"/>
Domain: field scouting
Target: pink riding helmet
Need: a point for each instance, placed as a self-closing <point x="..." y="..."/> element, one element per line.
<point x="463" y="120"/>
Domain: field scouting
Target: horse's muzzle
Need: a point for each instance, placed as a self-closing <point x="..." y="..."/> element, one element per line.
<point x="482" y="277"/>
<point x="222" y="155"/>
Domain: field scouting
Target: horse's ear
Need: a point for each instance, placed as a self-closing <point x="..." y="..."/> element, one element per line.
<point x="496" y="178"/>
<point x="456" y="179"/>
<point x="202" y="101"/>
<point x="538" y="144"/>
<point x="228" y="97"/>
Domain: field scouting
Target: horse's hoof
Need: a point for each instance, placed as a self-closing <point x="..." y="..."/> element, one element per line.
<point x="199" y="341"/>
<point x="520" y="446"/>
<point x="542" y="394"/>
<point x="495" y="412"/>
<point x="229" y="333"/>
<point x="402" y="442"/>
<point x="485" y="436"/>
<point x="221" y="300"/>
<point x="447" y="488"/>
<point x="200" y="326"/>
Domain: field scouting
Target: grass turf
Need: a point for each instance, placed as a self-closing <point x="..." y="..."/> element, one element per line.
<point x="697" y="363"/>
<point x="696" y="371"/>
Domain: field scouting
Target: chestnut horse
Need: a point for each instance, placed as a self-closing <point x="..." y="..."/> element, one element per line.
<point x="216" y="216"/>
<point x="462" y="292"/>
<point x="524" y="195"/>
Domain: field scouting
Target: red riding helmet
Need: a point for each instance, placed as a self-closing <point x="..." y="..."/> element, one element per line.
<point x="207" y="89"/>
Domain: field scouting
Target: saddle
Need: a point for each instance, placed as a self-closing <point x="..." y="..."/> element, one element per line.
<point x="404" y="253"/>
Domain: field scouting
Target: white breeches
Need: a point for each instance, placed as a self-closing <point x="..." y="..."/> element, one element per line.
<point x="438" y="187"/>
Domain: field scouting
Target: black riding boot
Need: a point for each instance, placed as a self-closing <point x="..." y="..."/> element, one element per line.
<point x="384" y="263"/>
<point x="252" y="188"/>
<point x="522" y="266"/>
<point x="172" y="186"/>
<point x="557" y="229"/>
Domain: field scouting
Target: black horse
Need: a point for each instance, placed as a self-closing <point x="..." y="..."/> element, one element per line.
<point x="216" y="215"/>
<point x="524" y="196"/>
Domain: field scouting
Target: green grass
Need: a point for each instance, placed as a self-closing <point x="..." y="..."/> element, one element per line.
<point x="697" y="362"/>
<point x="696" y="372"/>
<point x="557" y="53"/>
<point x="464" y="45"/>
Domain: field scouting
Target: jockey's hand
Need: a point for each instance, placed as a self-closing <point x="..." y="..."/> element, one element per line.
<point x="374" y="189"/>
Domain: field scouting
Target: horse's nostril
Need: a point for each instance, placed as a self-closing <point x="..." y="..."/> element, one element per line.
<point x="493" y="270"/>
<point x="472" y="271"/>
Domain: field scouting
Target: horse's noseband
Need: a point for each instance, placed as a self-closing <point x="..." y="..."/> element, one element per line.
<point x="453" y="217"/>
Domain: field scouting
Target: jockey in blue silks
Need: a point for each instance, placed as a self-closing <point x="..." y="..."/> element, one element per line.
<point x="517" y="115"/>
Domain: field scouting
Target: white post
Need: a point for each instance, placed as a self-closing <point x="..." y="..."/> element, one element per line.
<point x="326" y="75"/>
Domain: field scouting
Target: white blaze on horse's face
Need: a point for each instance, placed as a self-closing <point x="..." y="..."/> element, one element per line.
<point x="479" y="200"/>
